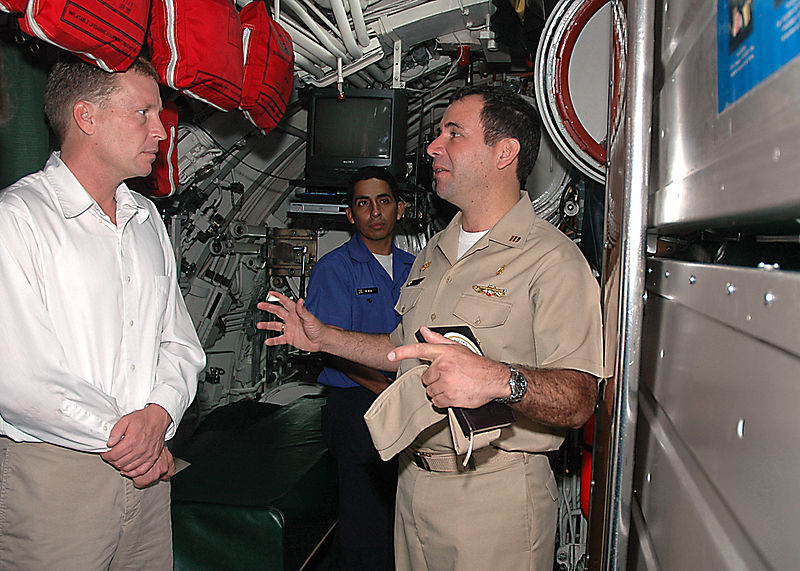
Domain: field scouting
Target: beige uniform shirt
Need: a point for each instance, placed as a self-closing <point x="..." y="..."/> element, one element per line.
<point x="527" y="294"/>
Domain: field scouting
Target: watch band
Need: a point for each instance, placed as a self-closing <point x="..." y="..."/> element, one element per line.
<point x="518" y="384"/>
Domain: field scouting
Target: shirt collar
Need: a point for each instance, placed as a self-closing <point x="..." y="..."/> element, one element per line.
<point x="73" y="198"/>
<point x="127" y="199"/>
<point x="358" y="249"/>
<point x="511" y="230"/>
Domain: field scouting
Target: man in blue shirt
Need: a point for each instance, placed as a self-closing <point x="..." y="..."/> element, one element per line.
<point x="355" y="287"/>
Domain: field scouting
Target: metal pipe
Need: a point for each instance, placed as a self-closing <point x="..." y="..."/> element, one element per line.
<point x="633" y="176"/>
<point x="240" y="229"/>
<point x="312" y="48"/>
<point x="306" y="64"/>
<point x="358" y="23"/>
<point x="357" y="80"/>
<point x="316" y="62"/>
<point x="381" y="75"/>
<point x="332" y="44"/>
<point x="311" y="5"/>
<point x="344" y="27"/>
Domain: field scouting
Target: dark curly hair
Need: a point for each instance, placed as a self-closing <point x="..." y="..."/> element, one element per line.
<point x="507" y="115"/>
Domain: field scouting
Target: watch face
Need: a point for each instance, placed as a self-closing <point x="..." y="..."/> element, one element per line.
<point x="519" y="385"/>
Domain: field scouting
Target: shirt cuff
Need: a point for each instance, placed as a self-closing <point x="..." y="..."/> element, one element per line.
<point x="173" y="402"/>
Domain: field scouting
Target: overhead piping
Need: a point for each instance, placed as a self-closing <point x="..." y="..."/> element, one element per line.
<point x="332" y="44"/>
<point x="311" y="5"/>
<point x="357" y="80"/>
<point x="307" y="65"/>
<point x="310" y="45"/>
<point x="358" y="23"/>
<point x="380" y="75"/>
<point x="344" y="27"/>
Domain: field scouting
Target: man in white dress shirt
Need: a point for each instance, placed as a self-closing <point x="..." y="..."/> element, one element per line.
<point x="99" y="356"/>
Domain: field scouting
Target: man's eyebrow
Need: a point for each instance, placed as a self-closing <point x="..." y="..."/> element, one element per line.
<point x="452" y="124"/>
<point x="367" y="196"/>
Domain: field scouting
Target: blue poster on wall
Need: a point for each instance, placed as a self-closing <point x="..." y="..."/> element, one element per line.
<point x="754" y="39"/>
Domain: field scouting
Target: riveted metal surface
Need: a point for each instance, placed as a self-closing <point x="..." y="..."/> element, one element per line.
<point x="716" y="443"/>
<point x="762" y="304"/>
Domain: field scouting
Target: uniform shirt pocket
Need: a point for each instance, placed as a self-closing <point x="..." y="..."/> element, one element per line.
<point x="409" y="296"/>
<point x="482" y="312"/>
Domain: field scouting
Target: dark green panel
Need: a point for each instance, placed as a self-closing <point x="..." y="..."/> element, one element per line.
<point x="23" y="135"/>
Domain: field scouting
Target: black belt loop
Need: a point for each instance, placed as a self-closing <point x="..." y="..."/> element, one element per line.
<point x="421" y="461"/>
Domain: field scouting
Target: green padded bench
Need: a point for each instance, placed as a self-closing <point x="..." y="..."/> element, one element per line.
<point x="260" y="492"/>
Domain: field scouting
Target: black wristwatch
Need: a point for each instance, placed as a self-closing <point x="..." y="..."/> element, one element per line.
<point x="518" y="384"/>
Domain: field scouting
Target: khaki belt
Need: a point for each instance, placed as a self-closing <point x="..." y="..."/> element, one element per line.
<point x="451" y="462"/>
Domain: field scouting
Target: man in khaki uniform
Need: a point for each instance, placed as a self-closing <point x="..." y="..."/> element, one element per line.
<point x="529" y="299"/>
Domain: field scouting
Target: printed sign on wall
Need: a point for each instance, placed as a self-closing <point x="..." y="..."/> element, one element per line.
<point x="754" y="39"/>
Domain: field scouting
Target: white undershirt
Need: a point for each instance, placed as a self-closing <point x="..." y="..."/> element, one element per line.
<point x="467" y="239"/>
<point x="386" y="261"/>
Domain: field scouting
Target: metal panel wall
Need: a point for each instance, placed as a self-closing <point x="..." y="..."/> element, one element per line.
<point x="717" y="446"/>
<point x="716" y="449"/>
<point x="729" y="168"/>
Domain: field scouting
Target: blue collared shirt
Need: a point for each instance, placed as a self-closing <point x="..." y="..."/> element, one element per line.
<point x="350" y="289"/>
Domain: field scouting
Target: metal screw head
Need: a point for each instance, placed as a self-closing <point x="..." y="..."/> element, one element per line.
<point x="769" y="298"/>
<point x="692" y="279"/>
<point x="666" y="274"/>
<point x="730" y="288"/>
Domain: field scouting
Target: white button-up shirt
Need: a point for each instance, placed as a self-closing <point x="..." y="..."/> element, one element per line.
<point x="92" y="323"/>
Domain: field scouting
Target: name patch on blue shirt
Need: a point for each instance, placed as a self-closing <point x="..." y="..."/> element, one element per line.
<point x="366" y="290"/>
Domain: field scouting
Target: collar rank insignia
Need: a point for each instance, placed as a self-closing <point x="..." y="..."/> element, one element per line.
<point x="490" y="290"/>
<point x="514" y="239"/>
<point x="500" y="270"/>
<point x="424" y="266"/>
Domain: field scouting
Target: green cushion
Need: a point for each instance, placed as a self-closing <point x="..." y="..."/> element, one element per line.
<point x="274" y="468"/>
<point x="212" y="536"/>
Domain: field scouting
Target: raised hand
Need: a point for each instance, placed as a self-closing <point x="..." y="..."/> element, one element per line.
<point x="298" y="326"/>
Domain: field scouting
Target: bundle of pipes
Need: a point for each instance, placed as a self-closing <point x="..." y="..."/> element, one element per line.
<point x="322" y="46"/>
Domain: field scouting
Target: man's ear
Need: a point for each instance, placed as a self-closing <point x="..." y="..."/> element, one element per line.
<point x="83" y="113"/>
<point x="349" y="214"/>
<point x="508" y="150"/>
<point x="401" y="207"/>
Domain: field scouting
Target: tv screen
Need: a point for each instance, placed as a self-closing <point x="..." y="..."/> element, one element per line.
<point x="356" y="128"/>
<point x="367" y="128"/>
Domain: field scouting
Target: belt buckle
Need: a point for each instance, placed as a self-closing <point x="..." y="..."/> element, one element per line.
<point x="421" y="460"/>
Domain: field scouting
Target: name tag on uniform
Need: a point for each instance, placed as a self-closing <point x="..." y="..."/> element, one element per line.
<point x="366" y="290"/>
<point x="414" y="282"/>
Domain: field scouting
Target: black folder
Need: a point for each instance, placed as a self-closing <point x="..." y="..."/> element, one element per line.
<point x="490" y="416"/>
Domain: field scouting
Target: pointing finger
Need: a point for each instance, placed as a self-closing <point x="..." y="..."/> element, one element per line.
<point x="421" y="351"/>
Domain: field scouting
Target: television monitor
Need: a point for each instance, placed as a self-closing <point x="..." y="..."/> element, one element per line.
<point x="367" y="128"/>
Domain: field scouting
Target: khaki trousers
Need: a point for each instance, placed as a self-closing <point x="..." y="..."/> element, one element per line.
<point x="62" y="509"/>
<point x="499" y="517"/>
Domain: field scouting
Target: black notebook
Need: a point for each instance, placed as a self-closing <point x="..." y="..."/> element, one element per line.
<point x="490" y="416"/>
